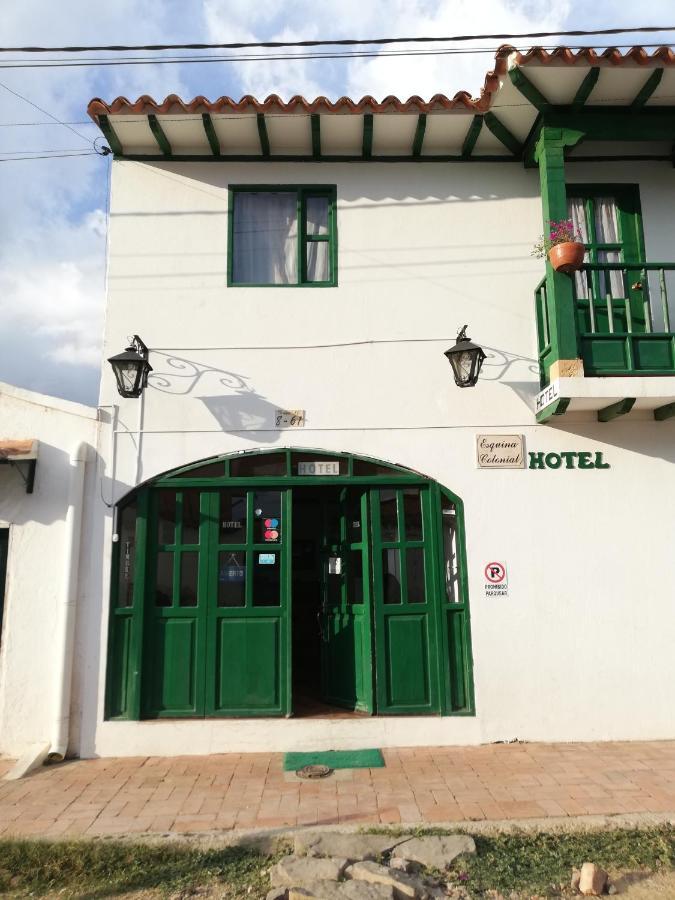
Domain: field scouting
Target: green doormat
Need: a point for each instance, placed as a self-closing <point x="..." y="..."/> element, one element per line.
<point x="335" y="759"/>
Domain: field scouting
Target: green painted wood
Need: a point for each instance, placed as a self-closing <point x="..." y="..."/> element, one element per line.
<point x="316" y="136"/>
<point x="111" y="135"/>
<point x="183" y="652"/>
<point x="559" y="408"/>
<point x="4" y="544"/>
<point x="472" y="136"/>
<point x="248" y="666"/>
<point x="630" y="245"/>
<point x="586" y="87"/>
<point x="455" y="627"/>
<point x="367" y="144"/>
<point x="328" y="158"/>
<point x="211" y="135"/>
<point x="613" y="123"/>
<point x="346" y="657"/>
<point x="263" y="136"/>
<point x="661" y="413"/>
<point x="531" y="93"/>
<point x="159" y="135"/>
<point x="406" y="632"/>
<point x="629" y="354"/>
<point x="502" y="133"/>
<point x="247" y="647"/>
<point x="418" y="140"/>
<point x="647" y="89"/>
<point x="562" y="328"/>
<point x="174" y="640"/>
<point x="614" y="410"/>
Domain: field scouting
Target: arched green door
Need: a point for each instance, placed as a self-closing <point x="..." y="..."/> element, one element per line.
<point x="202" y="599"/>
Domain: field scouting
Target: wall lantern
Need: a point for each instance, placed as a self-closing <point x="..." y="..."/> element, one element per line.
<point x="466" y="360"/>
<point x="131" y="368"/>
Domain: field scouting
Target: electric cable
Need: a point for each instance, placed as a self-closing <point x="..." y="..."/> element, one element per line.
<point x="45" y="112"/>
<point x="211" y="58"/>
<point x="239" y="45"/>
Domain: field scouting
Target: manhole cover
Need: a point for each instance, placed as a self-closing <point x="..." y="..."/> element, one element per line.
<point x="314" y="772"/>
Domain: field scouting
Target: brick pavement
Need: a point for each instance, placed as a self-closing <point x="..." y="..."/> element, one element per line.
<point x="422" y="784"/>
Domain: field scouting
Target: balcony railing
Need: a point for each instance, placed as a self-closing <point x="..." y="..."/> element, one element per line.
<point x="623" y="318"/>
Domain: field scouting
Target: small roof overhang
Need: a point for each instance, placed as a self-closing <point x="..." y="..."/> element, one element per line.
<point x="607" y="398"/>
<point x="22" y="455"/>
<point x="494" y="126"/>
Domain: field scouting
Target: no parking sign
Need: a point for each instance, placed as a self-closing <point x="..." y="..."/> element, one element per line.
<point x="496" y="580"/>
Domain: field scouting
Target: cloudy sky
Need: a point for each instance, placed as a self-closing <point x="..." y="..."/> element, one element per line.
<point x="53" y="211"/>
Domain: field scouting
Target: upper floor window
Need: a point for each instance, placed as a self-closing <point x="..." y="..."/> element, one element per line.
<point x="282" y="236"/>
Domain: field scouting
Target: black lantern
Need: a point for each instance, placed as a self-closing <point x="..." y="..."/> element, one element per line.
<point x="131" y="368"/>
<point x="466" y="360"/>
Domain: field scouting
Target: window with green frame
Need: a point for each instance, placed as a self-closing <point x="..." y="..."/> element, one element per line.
<point x="282" y="236"/>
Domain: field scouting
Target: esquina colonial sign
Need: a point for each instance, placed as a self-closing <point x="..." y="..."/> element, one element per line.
<point x="500" y="451"/>
<point x="507" y="451"/>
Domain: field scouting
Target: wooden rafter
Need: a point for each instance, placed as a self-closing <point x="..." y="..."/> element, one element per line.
<point x="159" y="135"/>
<point x="262" y="135"/>
<point x="502" y="133"/>
<point x="531" y="93"/>
<point x="211" y="135"/>
<point x="418" y="140"/>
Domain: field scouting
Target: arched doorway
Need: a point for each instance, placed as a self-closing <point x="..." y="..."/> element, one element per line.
<point x="267" y="583"/>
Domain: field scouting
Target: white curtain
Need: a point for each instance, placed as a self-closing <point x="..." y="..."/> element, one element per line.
<point x="606" y="232"/>
<point x="265" y="238"/>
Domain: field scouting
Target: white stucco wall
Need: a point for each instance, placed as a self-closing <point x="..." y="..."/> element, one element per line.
<point x="36" y="561"/>
<point x="580" y="649"/>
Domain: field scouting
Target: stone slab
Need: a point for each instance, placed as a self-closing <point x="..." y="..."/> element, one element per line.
<point x="299" y="870"/>
<point x="404" y="886"/>
<point x="350" y="846"/>
<point x="436" y="851"/>
<point x="346" y="890"/>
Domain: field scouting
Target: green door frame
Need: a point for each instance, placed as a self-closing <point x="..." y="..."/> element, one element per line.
<point x="451" y="685"/>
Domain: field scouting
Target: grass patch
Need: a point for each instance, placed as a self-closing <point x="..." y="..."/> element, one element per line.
<point x="541" y="862"/>
<point x="88" y="869"/>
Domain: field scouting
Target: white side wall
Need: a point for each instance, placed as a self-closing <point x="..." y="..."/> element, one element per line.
<point x="35" y="560"/>
<point x="580" y="649"/>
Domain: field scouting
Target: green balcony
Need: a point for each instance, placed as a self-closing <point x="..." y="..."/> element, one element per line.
<point x="622" y="316"/>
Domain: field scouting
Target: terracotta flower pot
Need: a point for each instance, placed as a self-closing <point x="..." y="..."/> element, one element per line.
<point x="567" y="257"/>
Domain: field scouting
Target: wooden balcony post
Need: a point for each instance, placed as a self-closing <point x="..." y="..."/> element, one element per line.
<point x="564" y="359"/>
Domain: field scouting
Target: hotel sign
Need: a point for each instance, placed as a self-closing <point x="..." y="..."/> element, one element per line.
<point x="500" y="451"/>
<point x="549" y="395"/>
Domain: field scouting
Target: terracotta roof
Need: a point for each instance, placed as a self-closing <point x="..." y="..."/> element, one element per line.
<point x="663" y="56"/>
<point x="462" y="100"/>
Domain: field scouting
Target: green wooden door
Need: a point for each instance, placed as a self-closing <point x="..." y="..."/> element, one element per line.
<point x="175" y="615"/>
<point x="176" y="603"/>
<point x="406" y="614"/>
<point x="247" y="634"/>
<point x="346" y="652"/>
<point x="4" y="540"/>
<point x="215" y="625"/>
<point x="609" y="219"/>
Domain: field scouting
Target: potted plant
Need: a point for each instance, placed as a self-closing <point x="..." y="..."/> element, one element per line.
<point x="563" y="246"/>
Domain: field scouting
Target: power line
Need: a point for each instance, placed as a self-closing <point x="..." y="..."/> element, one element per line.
<point x="52" y="156"/>
<point x="45" y="112"/>
<point x="272" y="57"/>
<point x="339" y="42"/>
